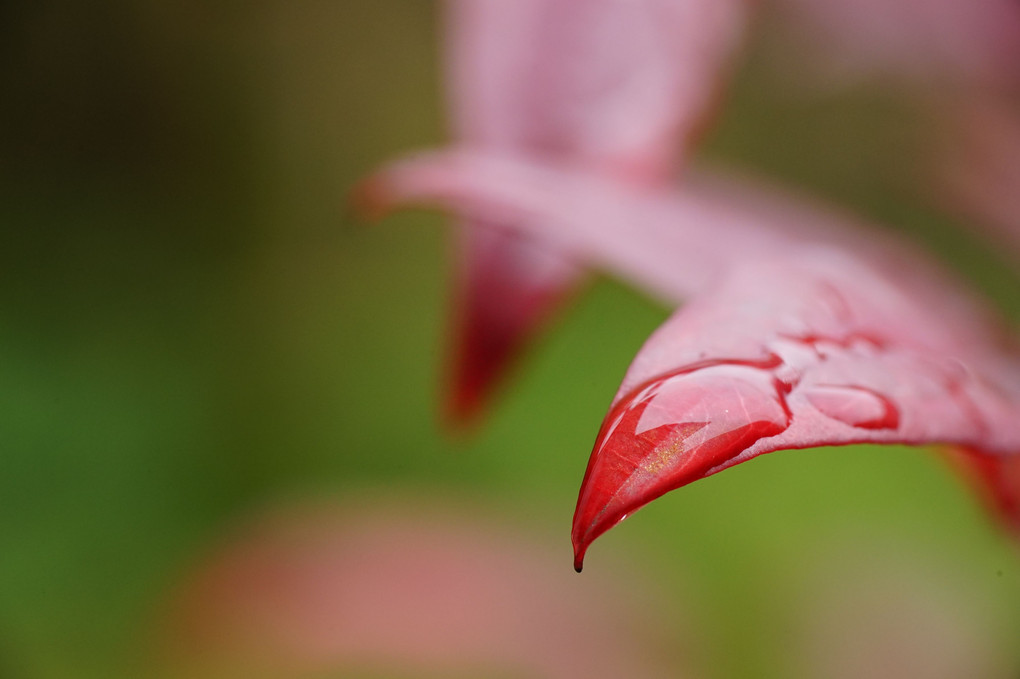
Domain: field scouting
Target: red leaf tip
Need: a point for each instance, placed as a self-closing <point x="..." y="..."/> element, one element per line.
<point x="673" y="430"/>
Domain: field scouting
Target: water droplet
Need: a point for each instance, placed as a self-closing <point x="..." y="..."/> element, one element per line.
<point x="856" y="406"/>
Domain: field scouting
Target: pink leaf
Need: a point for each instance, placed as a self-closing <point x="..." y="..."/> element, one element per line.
<point x="933" y="41"/>
<point x="979" y="167"/>
<point x="671" y="243"/>
<point x="800" y="333"/>
<point x="799" y="351"/>
<point x="614" y="85"/>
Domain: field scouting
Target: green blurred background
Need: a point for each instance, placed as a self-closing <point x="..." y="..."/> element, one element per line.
<point x="193" y="327"/>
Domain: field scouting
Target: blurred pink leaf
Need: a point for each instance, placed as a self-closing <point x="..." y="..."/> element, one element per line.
<point x="405" y="588"/>
<point x="617" y="86"/>
<point x="978" y="170"/>
<point x="672" y="243"/>
<point x="803" y="330"/>
<point x="935" y="42"/>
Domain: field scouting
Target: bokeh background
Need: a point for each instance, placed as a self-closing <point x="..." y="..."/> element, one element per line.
<point x="195" y="331"/>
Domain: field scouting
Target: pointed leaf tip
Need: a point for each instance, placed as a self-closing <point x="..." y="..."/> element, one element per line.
<point x="869" y="364"/>
<point x="671" y="431"/>
<point x="509" y="289"/>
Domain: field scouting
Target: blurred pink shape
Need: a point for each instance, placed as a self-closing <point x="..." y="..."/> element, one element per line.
<point x="803" y="331"/>
<point x="619" y="86"/>
<point x="615" y="85"/>
<point x="406" y="588"/>
<point x="671" y="242"/>
<point x="979" y="167"/>
<point x="929" y="41"/>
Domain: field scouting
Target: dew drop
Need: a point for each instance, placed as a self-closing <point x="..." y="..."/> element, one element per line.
<point x="857" y="406"/>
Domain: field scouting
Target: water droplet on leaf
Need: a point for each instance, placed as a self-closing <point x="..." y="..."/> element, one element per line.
<point x="856" y="406"/>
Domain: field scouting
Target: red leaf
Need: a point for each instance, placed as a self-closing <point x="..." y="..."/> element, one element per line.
<point x="508" y="287"/>
<point x="811" y="349"/>
<point x="801" y="331"/>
